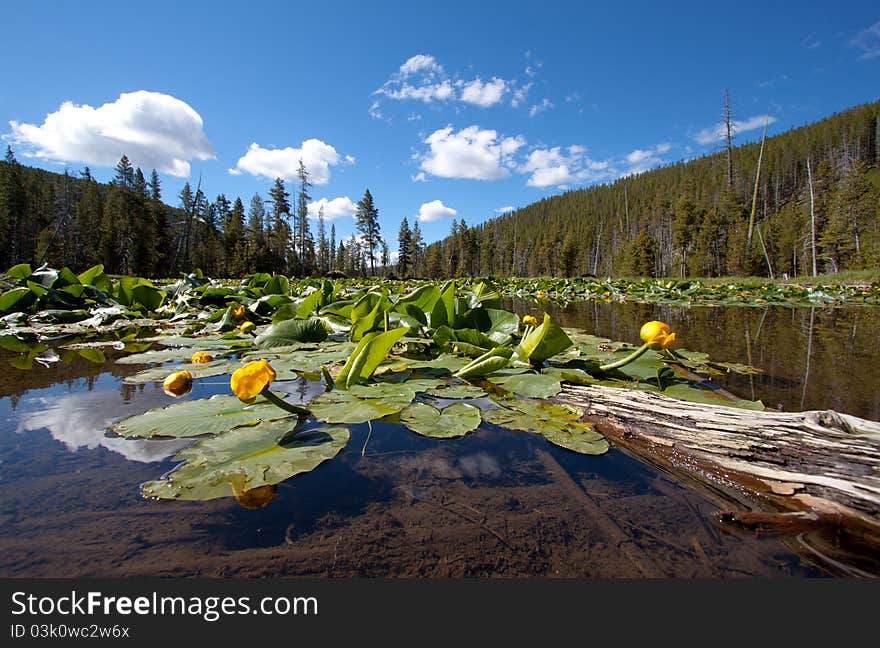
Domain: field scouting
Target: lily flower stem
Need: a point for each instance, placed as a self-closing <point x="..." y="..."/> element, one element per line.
<point x="625" y="361"/>
<point x="276" y="400"/>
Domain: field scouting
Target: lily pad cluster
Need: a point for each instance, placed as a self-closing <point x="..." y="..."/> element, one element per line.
<point x="439" y="360"/>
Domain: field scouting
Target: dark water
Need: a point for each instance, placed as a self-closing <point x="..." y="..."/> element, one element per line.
<point x="392" y="503"/>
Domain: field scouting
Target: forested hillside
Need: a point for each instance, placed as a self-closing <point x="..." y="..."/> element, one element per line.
<point x="692" y="218"/>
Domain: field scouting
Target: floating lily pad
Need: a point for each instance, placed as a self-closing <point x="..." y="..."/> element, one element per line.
<point x="245" y="459"/>
<point x="707" y="396"/>
<point x="529" y="384"/>
<point x="462" y="390"/>
<point x="559" y="424"/>
<point x="197" y="370"/>
<point x="197" y="417"/>
<point x="452" y="421"/>
<point x="339" y="406"/>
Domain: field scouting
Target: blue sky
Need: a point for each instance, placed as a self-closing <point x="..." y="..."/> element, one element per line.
<point x="442" y="110"/>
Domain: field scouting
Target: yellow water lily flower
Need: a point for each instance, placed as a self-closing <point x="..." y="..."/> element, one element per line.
<point x="657" y="335"/>
<point x="251" y="379"/>
<point x="238" y="312"/>
<point x="200" y="357"/>
<point x="530" y="320"/>
<point x="541" y="294"/>
<point x="178" y="383"/>
<point x="247" y="327"/>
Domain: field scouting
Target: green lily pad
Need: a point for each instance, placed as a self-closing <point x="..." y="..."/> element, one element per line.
<point x="529" y="384"/>
<point x="452" y="421"/>
<point x="248" y="458"/>
<point x="197" y="417"/>
<point x="340" y="406"/>
<point x="197" y="370"/>
<point x="559" y="424"/>
<point x="685" y="392"/>
<point x="463" y="390"/>
<point x="292" y="330"/>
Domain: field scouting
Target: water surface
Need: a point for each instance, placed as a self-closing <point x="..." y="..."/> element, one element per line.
<point x="392" y="503"/>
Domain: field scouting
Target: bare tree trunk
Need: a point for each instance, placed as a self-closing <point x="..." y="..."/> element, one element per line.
<point x="755" y="194"/>
<point x="728" y="137"/>
<point x="816" y="471"/>
<point x="812" y="217"/>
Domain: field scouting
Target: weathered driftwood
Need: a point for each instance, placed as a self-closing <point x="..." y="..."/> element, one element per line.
<point x="783" y="472"/>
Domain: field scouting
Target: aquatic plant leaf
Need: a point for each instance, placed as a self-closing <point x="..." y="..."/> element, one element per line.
<point x="452" y="421"/>
<point x="573" y="375"/>
<point x="164" y="355"/>
<point x="422" y="298"/>
<point x="559" y="424"/>
<point x="543" y="342"/>
<point x="293" y="330"/>
<point x="369" y="353"/>
<point x="247" y="458"/>
<point x="461" y="390"/>
<point x="12" y="297"/>
<point x="93" y="355"/>
<point x="709" y="397"/>
<point x="502" y="321"/>
<point x="339" y="406"/>
<point x="529" y="384"/>
<point x="310" y="304"/>
<point x="197" y="417"/>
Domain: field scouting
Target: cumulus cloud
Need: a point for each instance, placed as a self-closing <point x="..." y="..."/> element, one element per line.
<point x="317" y="156"/>
<point x="643" y="159"/>
<point x="470" y="153"/>
<point x="505" y="209"/>
<point x="557" y="167"/>
<point x="868" y="40"/>
<point x="718" y="132"/>
<point x="422" y="78"/>
<point x="154" y="130"/>
<point x="519" y="94"/>
<point x="434" y="210"/>
<point x="483" y="94"/>
<point x="335" y="208"/>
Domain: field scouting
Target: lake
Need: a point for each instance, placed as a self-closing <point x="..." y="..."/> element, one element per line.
<point x="393" y="503"/>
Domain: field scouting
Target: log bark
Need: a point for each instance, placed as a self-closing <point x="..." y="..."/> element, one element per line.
<point x="781" y="472"/>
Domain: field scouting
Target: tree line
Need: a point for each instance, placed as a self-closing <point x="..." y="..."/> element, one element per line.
<point x="77" y="222"/>
<point x="816" y="200"/>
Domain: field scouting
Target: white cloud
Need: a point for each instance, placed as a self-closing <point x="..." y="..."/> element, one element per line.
<point x="471" y="153"/>
<point x="484" y="94"/>
<point x="317" y="156"/>
<point x="505" y="209"/>
<point x="434" y="210"/>
<point x="418" y="63"/>
<point x="154" y="130"/>
<point x="718" y="132"/>
<point x="422" y="78"/>
<point x="420" y="177"/>
<point x="541" y="107"/>
<point x="868" y="40"/>
<point x="554" y="167"/>
<point x="643" y="159"/>
<point x="335" y="208"/>
<point x="519" y="95"/>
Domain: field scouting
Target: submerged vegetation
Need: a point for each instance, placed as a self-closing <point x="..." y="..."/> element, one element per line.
<point x="441" y="360"/>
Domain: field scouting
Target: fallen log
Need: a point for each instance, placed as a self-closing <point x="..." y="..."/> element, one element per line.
<point x="815" y="474"/>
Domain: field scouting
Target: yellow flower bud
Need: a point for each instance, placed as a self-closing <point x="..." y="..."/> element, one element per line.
<point x="247" y="327"/>
<point x="657" y="335"/>
<point x="200" y="357"/>
<point x="178" y="383"/>
<point x="238" y="312"/>
<point x="248" y="381"/>
<point x="530" y="320"/>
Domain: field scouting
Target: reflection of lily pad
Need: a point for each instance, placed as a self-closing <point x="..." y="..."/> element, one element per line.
<point x="453" y="421"/>
<point x="559" y="424"/>
<point x="340" y="406"/>
<point x="197" y="417"/>
<point x="247" y="458"/>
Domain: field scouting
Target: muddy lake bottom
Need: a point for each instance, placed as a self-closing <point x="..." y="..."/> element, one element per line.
<point x="496" y="503"/>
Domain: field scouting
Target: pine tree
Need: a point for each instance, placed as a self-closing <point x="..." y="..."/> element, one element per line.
<point x="333" y="253"/>
<point x="404" y="249"/>
<point x="255" y="236"/>
<point x="278" y="236"/>
<point x="234" y="240"/>
<point x="417" y="249"/>
<point x="368" y="226"/>
<point x="323" y="248"/>
<point x="305" y="245"/>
